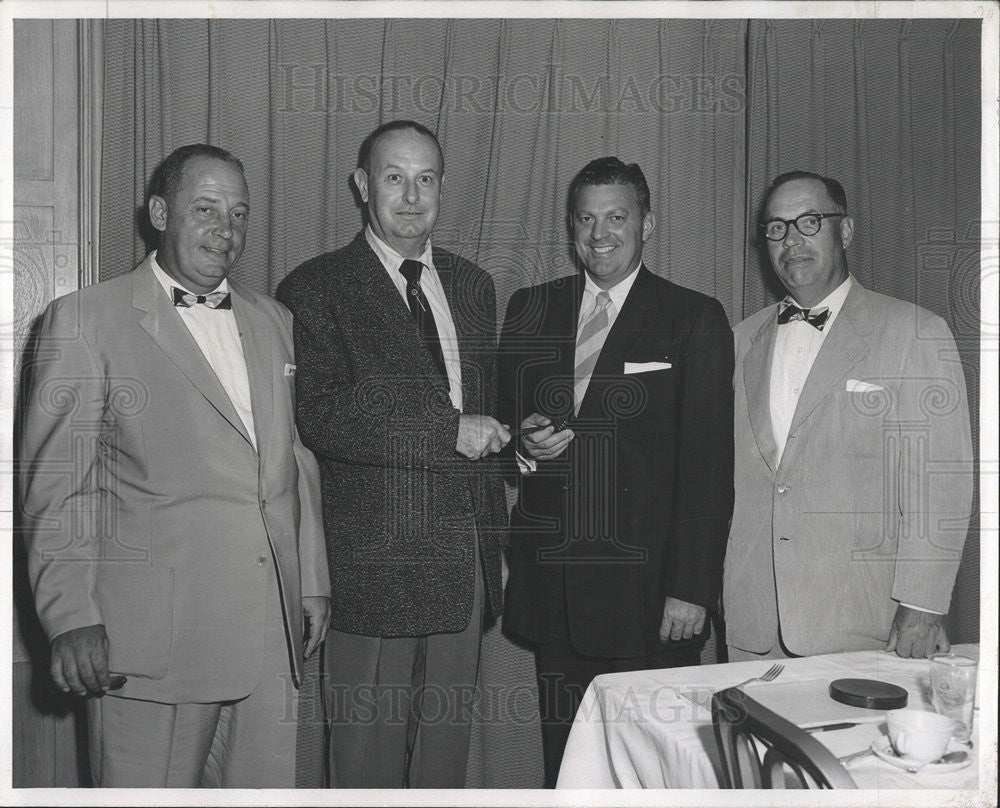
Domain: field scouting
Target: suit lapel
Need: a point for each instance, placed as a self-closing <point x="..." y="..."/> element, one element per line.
<point x="757" y="383"/>
<point x="635" y="318"/>
<point x="163" y="324"/>
<point x="842" y="349"/>
<point x="565" y="317"/>
<point x="465" y="330"/>
<point x="254" y="328"/>
<point x="376" y="299"/>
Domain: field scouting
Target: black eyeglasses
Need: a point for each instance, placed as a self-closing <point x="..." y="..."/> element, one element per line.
<point x="808" y="224"/>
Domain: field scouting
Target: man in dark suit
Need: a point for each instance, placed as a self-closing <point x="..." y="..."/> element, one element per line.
<point x="174" y="534"/>
<point x="619" y="533"/>
<point x="396" y="380"/>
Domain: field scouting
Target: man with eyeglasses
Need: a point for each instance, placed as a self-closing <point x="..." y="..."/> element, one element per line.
<point x="853" y="452"/>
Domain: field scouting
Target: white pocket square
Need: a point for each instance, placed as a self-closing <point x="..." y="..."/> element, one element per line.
<point x="855" y="386"/>
<point x="645" y="367"/>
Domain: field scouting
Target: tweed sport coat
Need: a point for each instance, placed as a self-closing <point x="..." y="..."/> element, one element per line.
<point x="870" y="502"/>
<point x="402" y="509"/>
<point x="147" y="507"/>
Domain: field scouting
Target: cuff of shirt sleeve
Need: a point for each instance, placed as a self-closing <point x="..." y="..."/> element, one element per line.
<point x="525" y="465"/>
<point x="918" y="608"/>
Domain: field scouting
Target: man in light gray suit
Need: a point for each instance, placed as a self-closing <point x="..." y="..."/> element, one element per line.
<point x="175" y="543"/>
<point x="853" y="469"/>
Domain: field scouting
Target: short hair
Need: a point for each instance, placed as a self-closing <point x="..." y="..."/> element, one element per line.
<point x="833" y="188"/>
<point x="169" y="174"/>
<point x="369" y="143"/>
<point x="610" y="171"/>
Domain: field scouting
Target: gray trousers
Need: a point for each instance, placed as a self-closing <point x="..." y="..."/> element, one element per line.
<point x="400" y="707"/>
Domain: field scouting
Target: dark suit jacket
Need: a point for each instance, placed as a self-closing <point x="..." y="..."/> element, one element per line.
<point x="637" y="507"/>
<point x="401" y="509"/>
<point x="147" y="507"/>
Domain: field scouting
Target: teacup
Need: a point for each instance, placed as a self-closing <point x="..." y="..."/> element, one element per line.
<point x="919" y="737"/>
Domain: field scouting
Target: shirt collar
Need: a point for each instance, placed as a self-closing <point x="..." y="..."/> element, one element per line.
<point x="618" y="292"/>
<point x="166" y="281"/>
<point x="391" y="259"/>
<point x="833" y="301"/>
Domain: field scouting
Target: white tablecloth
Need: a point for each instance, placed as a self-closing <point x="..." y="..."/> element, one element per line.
<point x="636" y="730"/>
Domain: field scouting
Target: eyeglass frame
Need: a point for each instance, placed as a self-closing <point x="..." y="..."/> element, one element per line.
<point x="795" y="221"/>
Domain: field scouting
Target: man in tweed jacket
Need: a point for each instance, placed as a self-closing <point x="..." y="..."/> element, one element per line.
<point x="398" y="414"/>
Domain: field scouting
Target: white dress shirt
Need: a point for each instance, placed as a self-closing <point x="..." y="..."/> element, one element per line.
<point x="430" y="285"/>
<point x="217" y="335"/>
<point x="795" y="348"/>
<point x="618" y="293"/>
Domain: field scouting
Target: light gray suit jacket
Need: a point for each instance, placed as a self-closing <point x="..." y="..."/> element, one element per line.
<point x="870" y="503"/>
<point x="147" y="508"/>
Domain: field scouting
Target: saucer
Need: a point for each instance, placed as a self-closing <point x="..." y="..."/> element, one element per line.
<point x="882" y="747"/>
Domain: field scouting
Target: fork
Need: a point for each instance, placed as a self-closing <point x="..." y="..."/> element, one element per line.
<point x="769" y="675"/>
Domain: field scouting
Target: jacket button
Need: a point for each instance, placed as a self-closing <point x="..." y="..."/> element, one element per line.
<point x="261" y="561"/>
<point x="782" y="489"/>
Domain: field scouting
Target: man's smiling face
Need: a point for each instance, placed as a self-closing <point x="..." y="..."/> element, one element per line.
<point x="609" y="229"/>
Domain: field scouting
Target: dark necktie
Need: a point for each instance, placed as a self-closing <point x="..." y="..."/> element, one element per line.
<point x="214" y="300"/>
<point x="420" y="308"/>
<point x="815" y="317"/>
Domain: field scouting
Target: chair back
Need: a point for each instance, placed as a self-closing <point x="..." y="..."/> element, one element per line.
<point x="746" y="729"/>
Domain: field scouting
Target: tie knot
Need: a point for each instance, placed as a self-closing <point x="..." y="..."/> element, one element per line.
<point x="411" y="270"/>
<point x="817" y="318"/>
<point x="601" y="302"/>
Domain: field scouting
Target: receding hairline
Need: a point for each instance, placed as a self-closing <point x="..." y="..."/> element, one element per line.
<point x="407" y="130"/>
<point x="828" y="184"/>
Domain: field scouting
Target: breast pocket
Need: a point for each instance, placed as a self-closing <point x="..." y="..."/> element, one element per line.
<point x="859" y="420"/>
<point x="644" y="399"/>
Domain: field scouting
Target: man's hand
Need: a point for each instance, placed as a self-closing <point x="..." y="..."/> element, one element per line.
<point x="480" y="435"/>
<point x="316" y="612"/>
<point x="80" y="661"/>
<point x="546" y="444"/>
<point x="917" y="634"/>
<point x="681" y="620"/>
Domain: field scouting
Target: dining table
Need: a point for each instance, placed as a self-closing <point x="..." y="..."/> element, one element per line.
<point x="653" y="728"/>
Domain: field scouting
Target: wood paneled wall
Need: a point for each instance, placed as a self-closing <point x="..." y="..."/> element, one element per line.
<point x="47" y="745"/>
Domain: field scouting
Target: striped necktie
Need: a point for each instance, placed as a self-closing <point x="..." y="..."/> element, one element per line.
<point x="589" y="342"/>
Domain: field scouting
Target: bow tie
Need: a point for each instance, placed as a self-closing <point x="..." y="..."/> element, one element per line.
<point x="214" y="300"/>
<point x="815" y="317"/>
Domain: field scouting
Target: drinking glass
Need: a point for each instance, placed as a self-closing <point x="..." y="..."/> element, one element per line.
<point x="953" y="690"/>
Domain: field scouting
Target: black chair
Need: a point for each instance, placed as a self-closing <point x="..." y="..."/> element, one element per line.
<point x="744" y="728"/>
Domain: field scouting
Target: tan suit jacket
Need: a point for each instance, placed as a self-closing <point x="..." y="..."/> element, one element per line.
<point x="869" y="505"/>
<point x="147" y="507"/>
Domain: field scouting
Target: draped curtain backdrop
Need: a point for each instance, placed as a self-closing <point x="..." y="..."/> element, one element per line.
<point x="711" y="110"/>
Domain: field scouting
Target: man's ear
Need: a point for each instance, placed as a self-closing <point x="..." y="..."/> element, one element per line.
<point x="158" y="212"/>
<point x="361" y="181"/>
<point x="846" y="231"/>
<point x="648" y="225"/>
